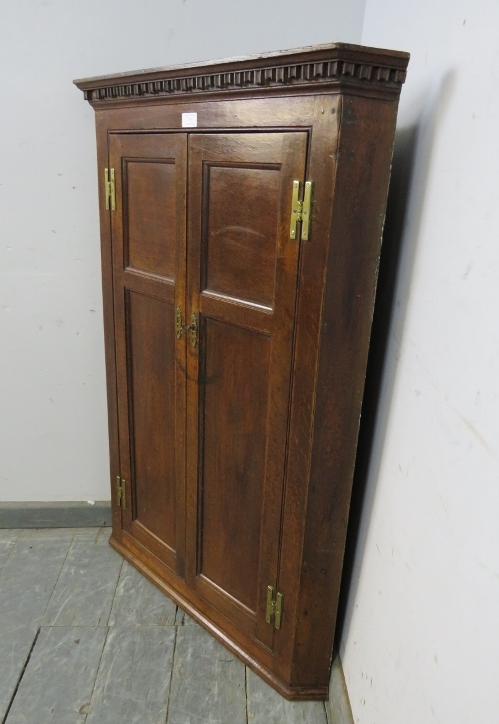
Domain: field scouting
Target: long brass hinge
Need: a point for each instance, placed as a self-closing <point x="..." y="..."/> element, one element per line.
<point x="192" y="328"/>
<point x="120" y="491"/>
<point x="110" y="189"/>
<point x="274" y="607"/>
<point x="300" y="210"/>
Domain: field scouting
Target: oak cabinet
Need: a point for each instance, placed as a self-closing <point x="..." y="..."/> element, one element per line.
<point x="242" y="207"/>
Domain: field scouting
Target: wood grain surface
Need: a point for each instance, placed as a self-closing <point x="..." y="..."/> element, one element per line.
<point x="236" y="434"/>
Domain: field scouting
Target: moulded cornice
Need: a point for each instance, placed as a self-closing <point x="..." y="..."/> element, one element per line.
<point x="336" y="64"/>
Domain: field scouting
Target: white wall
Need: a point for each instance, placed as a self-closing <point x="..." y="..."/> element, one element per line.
<point x="53" y="428"/>
<point x="421" y="641"/>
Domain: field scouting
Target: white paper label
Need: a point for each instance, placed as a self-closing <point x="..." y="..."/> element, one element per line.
<point x="189" y="120"/>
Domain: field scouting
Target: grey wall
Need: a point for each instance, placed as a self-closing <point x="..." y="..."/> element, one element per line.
<point x="53" y="429"/>
<point x="421" y="640"/>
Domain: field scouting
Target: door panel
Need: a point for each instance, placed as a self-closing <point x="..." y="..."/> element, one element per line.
<point x="148" y="231"/>
<point x="151" y="355"/>
<point x="242" y="271"/>
<point x="147" y="186"/>
<point x="234" y="431"/>
<point x="240" y="257"/>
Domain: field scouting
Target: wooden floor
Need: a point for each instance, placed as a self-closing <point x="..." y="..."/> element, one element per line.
<point x="85" y="638"/>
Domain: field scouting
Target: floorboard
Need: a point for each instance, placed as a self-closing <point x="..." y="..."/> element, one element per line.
<point x="266" y="705"/>
<point x="15" y="647"/>
<point x="133" y="682"/>
<point x="29" y="577"/>
<point x="7" y="541"/>
<point x="183" y="619"/>
<point x="84" y="592"/>
<point x="57" y="686"/>
<point x="86" y="639"/>
<point x="138" y="603"/>
<point x="208" y="683"/>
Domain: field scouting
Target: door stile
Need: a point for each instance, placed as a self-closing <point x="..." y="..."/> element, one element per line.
<point x="120" y="317"/>
<point x="193" y="354"/>
<point x="181" y="360"/>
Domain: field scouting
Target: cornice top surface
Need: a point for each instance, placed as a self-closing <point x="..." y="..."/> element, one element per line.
<point x="334" y="63"/>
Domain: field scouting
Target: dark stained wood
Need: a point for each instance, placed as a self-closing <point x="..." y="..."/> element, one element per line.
<point x="324" y="67"/>
<point x="323" y="153"/>
<point x="238" y="453"/>
<point x="148" y="237"/>
<point x="367" y="130"/>
<point x="239" y="378"/>
<point x="149" y="248"/>
<point x="108" y="310"/>
<point x="151" y="353"/>
<point x="235" y="409"/>
<point x="240" y="257"/>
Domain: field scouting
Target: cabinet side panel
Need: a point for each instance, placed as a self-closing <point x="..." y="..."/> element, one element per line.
<point x="367" y="128"/>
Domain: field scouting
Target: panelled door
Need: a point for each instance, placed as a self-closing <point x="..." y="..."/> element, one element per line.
<point x="242" y="271"/>
<point x="204" y="319"/>
<point x="148" y="233"/>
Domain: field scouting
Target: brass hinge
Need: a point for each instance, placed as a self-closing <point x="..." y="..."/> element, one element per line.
<point x="274" y="607"/>
<point x="300" y="210"/>
<point x="192" y="328"/>
<point x="110" y="189"/>
<point x="120" y="491"/>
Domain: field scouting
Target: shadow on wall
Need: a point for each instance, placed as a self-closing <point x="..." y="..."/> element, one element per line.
<point x="406" y="200"/>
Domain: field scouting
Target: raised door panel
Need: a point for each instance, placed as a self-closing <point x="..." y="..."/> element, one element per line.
<point x="242" y="271"/>
<point x="234" y="421"/>
<point x="151" y="382"/>
<point x="148" y="233"/>
<point x="150" y="186"/>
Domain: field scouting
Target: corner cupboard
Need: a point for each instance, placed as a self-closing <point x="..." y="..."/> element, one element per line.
<point x="242" y="205"/>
